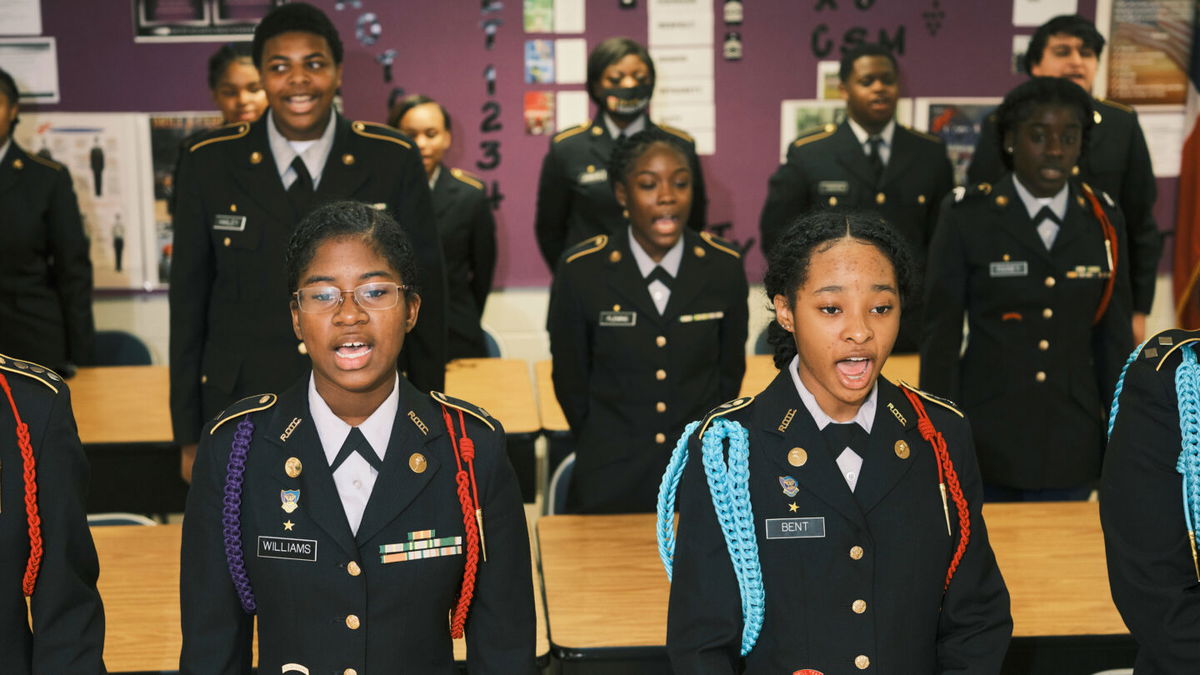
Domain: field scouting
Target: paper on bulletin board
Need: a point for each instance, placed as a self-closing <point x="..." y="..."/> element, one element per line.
<point x="570" y="108"/>
<point x="679" y="22"/>
<point x="33" y="63"/>
<point x="828" y="79"/>
<point x="679" y="90"/>
<point x="570" y="61"/>
<point x="1038" y="12"/>
<point x="958" y="122"/>
<point x="1164" y="137"/>
<point x="682" y="62"/>
<point x="1020" y="45"/>
<point x="569" y="16"/>
<point x="21" y="17"/>
<point x="539" y="61"/>
<point x="539" y="113"/>
<point x="684" y="116"/>
<point x="538" y="16"/>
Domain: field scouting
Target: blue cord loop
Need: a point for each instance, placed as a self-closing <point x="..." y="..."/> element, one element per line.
<point x="1116" y="399"/>
<point x="729" y="485"/>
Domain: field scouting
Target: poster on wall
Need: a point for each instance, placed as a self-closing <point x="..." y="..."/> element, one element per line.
<point x="33" y="63"/>
<point x="800" y="116"/>
<point x="198" y="20"/>
<point x="1148" y="50"/>
<point x="956" y="121"/>
<point x="109" y="161"/>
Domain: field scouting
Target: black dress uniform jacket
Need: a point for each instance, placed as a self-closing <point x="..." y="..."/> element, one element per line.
<point x="401" y="608"/>
<point x="68" y="619"/>
<point x="629" y="379"/>
<point x="468" y="232"/>
<point x="231" y="331"/>
<point x="1116" y="161"/>
<point x="884" y="544"/>
<point x="45" y="271"/>
<point x="575" y="199"/>
<point x="1037" y="375"/>
<point x="1150" y="567"/>
<point x="827" y="167"/>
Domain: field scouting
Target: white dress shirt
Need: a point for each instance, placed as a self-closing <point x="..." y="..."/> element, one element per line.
<point x="849" y="462"/>
<point x="885" y="148"/>
<point x="1047" y="229"/>
<point x="659" y="292"/>
<point x="313" y="153"/>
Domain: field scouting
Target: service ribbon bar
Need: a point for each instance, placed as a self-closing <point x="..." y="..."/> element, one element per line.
<point x="421" y="554"/>
<point x="420" y="545"/>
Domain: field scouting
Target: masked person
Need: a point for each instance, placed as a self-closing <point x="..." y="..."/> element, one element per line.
<point x="574" y="200"/>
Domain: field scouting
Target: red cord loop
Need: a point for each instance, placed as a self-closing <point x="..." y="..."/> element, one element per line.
<point x="464" y="453"/>
<point x="29" y="474"/>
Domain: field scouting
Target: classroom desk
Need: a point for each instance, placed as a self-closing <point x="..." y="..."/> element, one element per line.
<point x="139" y="582"/>
<point x="760" y="370"/>
<point x="122" y="404"/>
<point x="606" y="591"/>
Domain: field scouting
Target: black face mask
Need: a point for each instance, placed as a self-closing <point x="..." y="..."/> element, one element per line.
<point x="630" y="101"/>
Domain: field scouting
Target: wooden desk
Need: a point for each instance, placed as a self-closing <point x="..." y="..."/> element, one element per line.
<point x="760" y="370"/>
<point x="122" y="404"/>
<point x="605" y="586"/>
<point x="549" y="412"/>
<point x="139" y="582"/>
<point x="500" y="386"/>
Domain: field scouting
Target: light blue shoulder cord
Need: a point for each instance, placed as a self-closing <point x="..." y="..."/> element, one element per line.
<point x="729" y="485"/>
<point x="1187" y="390"/>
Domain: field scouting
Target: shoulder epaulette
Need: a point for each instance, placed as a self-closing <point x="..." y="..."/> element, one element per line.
<point x="978" y="190"/>
<point x="571" y="131"/>
<point x="234" y="131"/>
<point x="815" y="135"/>
<point x="467" y="178"/>
<point x="922" y="134"/>
<point x="587" y="246"/>
<point x="244" y="407"/>
<point x="1158" y="348"/>
<point x="46" y="162"/>
<point x="1113" y="104"/>
<point x="469" y="408"/>
<point x="724" y="409"/>
<point x="677" y="132"/>
<point x="944" y="402"/>
<point x="720" y="244"/>
<point x="32" y="370"/>
<point x="372" y="130"/>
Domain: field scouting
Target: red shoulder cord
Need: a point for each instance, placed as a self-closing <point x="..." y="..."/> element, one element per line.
<point x="1110" y="243"/>
<point x="468" y="496"/>
<point x="31" y="506"/>
<point x="946" y="476"/>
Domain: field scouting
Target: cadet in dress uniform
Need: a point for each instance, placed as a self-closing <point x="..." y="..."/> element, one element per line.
<point x="464" y="219"/>
<point x="241" y="191"/>
<point x="1117" y="160"/>
<point x="1149" y="526"/>
<point x="647" y="330"/>
<point x="45" y="272"/>
<point x="48" y="552"/>
<point x="1035" y="263"/>
<point x="904" y="179"/>
<point x="857" y="503"/>
<point x="353" y="514"/>
<point x="574" y="200"/>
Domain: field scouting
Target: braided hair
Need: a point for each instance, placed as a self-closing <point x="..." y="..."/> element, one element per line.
<point x="1020" y="103"/>
<point x="628" y="152"/>
<point x="787" y="264"/>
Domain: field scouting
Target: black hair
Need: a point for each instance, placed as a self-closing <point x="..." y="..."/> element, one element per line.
<point x="295" y="17"/>
<point x="609" y="52"/>
<point x="626" y="154"/>
<point x="846" y="67"/>
<point x="373" y="226"/>
<point x="1020" y="103"/>
<point x="1066" y="24"/>
<point x="787" y="264"/>
<point x="8" y="89"/>
<point x="223" y="58"/>
<point x="401" y="108"/>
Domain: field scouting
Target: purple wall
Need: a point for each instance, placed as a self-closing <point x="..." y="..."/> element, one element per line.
<point x="442" y="53"/>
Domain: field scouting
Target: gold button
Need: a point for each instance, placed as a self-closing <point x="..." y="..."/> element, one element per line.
<point x="1047" y="313"/>
<point x="1043" y="345"/>
<point x="591" y="168"/>
<point x="227" y="242"/>
<point x="1050" y="281"/>
<point x="616" y="308"/>
<point x="859" y="606"/>
<point x="862" y="662"/>
<point x="1001" y="200"/>
<point x="255" y="157"/>
<point x="203" y="379"/>
<point x="348" y="159"/>
<point x="615" y="256"/>
<point x="292" y="467"/>
<point x="699" y="251"/>
<point x="920" y="199"/>
<point x="596" y="131"/>
<point x="660" y="374"/>
<point x="349" y="671"/>
<point x="18" y="164"/>
<point x="1006" y="257"/>
<point x="353" y="569"/>
<point x="1075" y="169"/>
<point x="856" y="552"/>
<point x="233" y="208"/>
<point x="660" y="438"/>
<point x="263" y="399"/>
<point x="797" y="457"/>
<point x="660" y="407"/>
<point x="902" y="449"/>
<point x="1081" y="201"/>
<point x="417" y="463"/>
<point x="833" y="201"/>
<point x="880" y="198"/>
<point x="352" y="622"/>
<point x="1041" y="376"/>
<point x="302" y="348"/>
<point x="661" y="341"/>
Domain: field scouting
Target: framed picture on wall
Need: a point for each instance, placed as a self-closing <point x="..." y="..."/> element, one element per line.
<point x="799" y="116"/>
<point x="1149" y="45"/>
<point x="198" y="20"/>
<point x="956" y="121"/>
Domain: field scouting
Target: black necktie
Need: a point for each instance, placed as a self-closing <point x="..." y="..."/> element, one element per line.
<point x="659" y="274"/>
<point x="356" y="442"/>
<point x="842" y="436"/>
<point x="300" y="192"/>
<point x="1046" y="214"/>
<point x="874" y="157"/>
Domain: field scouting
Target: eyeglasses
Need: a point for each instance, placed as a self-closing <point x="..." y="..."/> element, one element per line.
<point x="377" y="295"/>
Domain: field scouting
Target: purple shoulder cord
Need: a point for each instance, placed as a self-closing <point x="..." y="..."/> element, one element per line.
<point x="232" y="519"/>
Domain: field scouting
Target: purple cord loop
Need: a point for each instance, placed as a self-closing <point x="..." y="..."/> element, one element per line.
<point x="232" y="520"/>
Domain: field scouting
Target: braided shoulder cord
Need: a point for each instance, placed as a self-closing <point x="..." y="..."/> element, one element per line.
<point x="1116" y="400"/>
<point x="729" y="485"/>
<point x="231" y="521"/>
<point x="33" y="519"/>
<point x="464" y="453"/>
<point x="1187" y="387"/>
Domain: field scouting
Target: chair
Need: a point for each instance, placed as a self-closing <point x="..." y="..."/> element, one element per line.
<point x="556" y="496"/>
<point x="491" y="344"/>
<point x="119" y="348"/>
<point x="761" y="346"/>
<point x="117" y="518"/>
